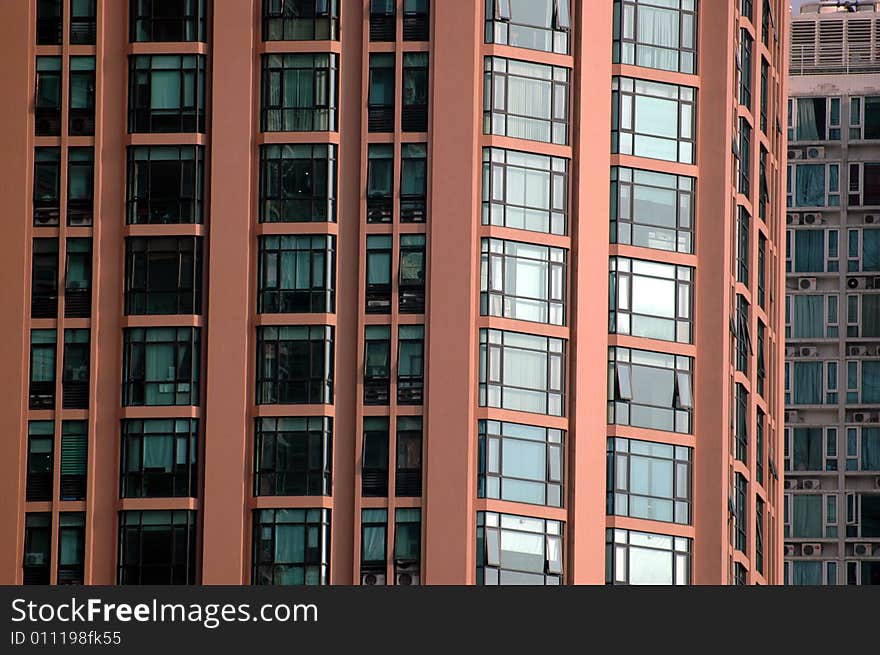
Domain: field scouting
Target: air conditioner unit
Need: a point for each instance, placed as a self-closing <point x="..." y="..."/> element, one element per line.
<point x="792" y="416"/>
<point x="811" y="484"/>
<point x="789" y="484"/>
<point x="791" y="351"/>
<point x="789" y="550"/>
<point x="811" y="550"/>
<point x="406" y="579"/>
<point x="870" y="219"/>
<point x="807" y="284"/>
<point x="795" y="153"/>
<point x="873" y="282"/>
<point x="856" y="283"/>
<point x="816" y="152"/>
<point x="863" y="550"/>
<point x="857" y="351"/>
<point x="372" y="579"/>
<point x="792" y="219"/>
<point x="808" y="351"/>
<point x="813" y="219"/>
<point x="862" y="417"/>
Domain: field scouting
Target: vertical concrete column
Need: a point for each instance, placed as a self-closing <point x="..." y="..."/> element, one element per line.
<point x="227" y="395"/>
<point x="456" y="92"/>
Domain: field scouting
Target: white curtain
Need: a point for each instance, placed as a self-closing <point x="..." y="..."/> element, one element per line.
<point x="658" y="27"/>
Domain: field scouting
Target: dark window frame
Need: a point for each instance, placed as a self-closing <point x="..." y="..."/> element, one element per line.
<point x="311" y="169"/>
<point x="290" y="20"/>
<point x="137" y="561"/>
<point x="187" y="25"/>
<point x="321" y="114"/>
<point x="187" y="116"/>
<point x="309" y="471"/>
<point x="137" y="480"/>
<point x="185" y="344"/>
<point x="273" y="388"/>
<point x="145" y="260"/>
<point x="183" y="205"/>
<point x="265" y="570"/>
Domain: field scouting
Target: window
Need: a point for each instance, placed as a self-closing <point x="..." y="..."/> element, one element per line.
<point x="157" y="547"/>
<point x="47" y="105"/>
<point x="863" y="315"/>
<point x="78" y="278"/>
<point x="407" y="545"/>
<point x="42" y="382"/>
<point x="648" y="480"/>
<point x="814" y="383"/>
<point x="166" y="93"/>
<point x="804" y="572"/>
<point x="763" y="185"/>
<point x="762" y="270"/>
<point x="163" y="275"/>
<point x="410" y="364"/>
<point x="75" y="374"/>
<point x="814" y="119"/>
<point x="44" y="278"/>
<point x="40" y="461"/>
<point x="80" y="186"/>
<point x="293" y="456"/>
<point x="654" y="120"/>
<point x="864" y="184"/>
<point x="740" y="574"/>
<point x="37" y="548"/>
<point x="649" y="299"/>
<point x="413" y="182"/>
<point x="414" y="113"/>
<point x="416" y="20"/>
<point x="812" y="251"/>
<point x="299" y="92"/>
<point x="652" y="210"/>
<point x="518" y="550"/>
<point x="49" y="18"/>
<point x="297" y="183"/>
<point x="520" y="463"/>
<point x="47" y="186"/>
<point x="864" y="118"/>
<point x="525" y="191"/>
<point x="806" y="185"/>
<point x="806" y="517"/>
<point x="741" y="424"/>
<point x="743" y="241"/>
<point x="383" y="20"/>
<point x="378" y="296"/>
<point x="159" y="458"/>
<point x="165" y="184"/>
<point x="374" y="546"/>
<point x="380" y="99"/>
<point x="740" y="539"/>
<point x="815" y="449"/>
<point x="525" y="100"/>
<point x="759" y="534"/>
<point x="811" y="316"/>
<point x="408" y="470"/>
<point x="650" y="390"/>
<point x="745" y="68"/>
<point x="643" y="558"/>
<point x="74" y="459"/>
<point x="377" y="364"/>
<point x="300" y="20"/>
<point x="863" y="515"/>
<point x="167" y="20"/>
<point x="83" y="23"/>
<point x="863" y="382"/>
<point x="81" y="111"/>
<point x="380" y="182"/>
<point x="71" y="547"/>
<point x="656" y="34"/>
<point x="743" y="334"/>
<point x="533" y="24"/>
<point x="412" y="274"/>
<point x="295" y="365"/>
<point x="522" y="372"/>
<point x="765" y="91"/>
<point x="297" y="274"/>
<point x="374" y="474"/>
<point x="161" y="366"/>
<point x="523" y="281"/>
<point x="761" y="363"/>
<point x="760" y="421"/>
<point x="863" y="251"/>
<point x="744" y="156"/>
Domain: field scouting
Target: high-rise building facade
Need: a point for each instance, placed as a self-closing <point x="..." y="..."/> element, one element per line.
<point x="832" y="392"/>
<point x="393" y="291"/>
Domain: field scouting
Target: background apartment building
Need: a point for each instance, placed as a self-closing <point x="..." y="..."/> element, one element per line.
<point x="393" y="291"/>
<point x="832" y="392"/>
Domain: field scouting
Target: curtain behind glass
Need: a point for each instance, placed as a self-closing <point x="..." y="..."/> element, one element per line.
<point x="807" y="445"/>
<point x="806" y="573"/>
<point x="809" y="317"/>
<point x="658" y="27"/>
<point x="158" y="452"/>
<point x="871" y="382"/>
<point x="871" y="449"/>
<point x="806" y="521"/>
<point x="290" y="544"/>
<point x="809" y="113"/>
<point x="871" y="250"/>
<point x="165" y="90"/>
<point x="810" y="185"/>
<point x="809" y="251"/>
<point x="808" y="383"/>
<point x="871" y="315"/>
